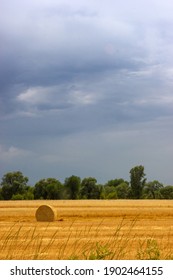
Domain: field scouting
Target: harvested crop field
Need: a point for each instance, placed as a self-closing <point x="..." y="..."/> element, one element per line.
<point x="88" y="229"/>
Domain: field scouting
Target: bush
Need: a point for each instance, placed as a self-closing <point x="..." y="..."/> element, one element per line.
<point x="17" y="196"/>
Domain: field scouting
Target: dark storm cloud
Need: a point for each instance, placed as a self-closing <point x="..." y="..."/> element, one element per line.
<point x="75" y="72"/>
<point x="40" y="50"/>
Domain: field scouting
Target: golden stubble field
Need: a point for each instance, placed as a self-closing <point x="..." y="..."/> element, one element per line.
<point x="88" y="229"/>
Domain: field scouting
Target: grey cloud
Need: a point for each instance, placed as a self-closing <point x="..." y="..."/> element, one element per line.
<point x="75" y="72"/>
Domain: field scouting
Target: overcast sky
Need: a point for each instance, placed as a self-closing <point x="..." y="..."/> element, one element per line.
<point x="86" y="88"/>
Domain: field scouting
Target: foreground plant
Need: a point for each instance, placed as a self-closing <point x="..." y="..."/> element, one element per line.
<point x="38" y="243"/>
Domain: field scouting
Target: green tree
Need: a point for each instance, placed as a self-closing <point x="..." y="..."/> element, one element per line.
<point x="151" y="189"/>
<point x="109" y="192"/>
<point x="166" y="192"/>
<point x="90" y="189"/>
<point x="28" y="195"/>
<point x="122" y="191"/>
<point x="13" y="183"/>
<point x="1" y="197"/>
<point x="137" y="181"/>
<point x="112" y="195"/>
<point x="17" y="196"/>
<point x="49" y="188"/>
<point x="72" y="185"/>
<point x="115" y="182"/>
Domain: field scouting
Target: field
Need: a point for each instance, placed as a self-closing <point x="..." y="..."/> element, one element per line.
<point x="96" y="229"/>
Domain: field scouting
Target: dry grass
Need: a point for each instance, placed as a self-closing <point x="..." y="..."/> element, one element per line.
<point x="120" y="229"/>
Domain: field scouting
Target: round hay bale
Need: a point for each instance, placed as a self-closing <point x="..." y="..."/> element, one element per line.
<point x="45" y="213"/>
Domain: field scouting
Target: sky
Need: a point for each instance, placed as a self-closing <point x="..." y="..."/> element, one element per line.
<point x="86" y="88"/>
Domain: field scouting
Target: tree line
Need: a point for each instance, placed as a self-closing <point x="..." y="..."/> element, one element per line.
<point x="14" y="186"/>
